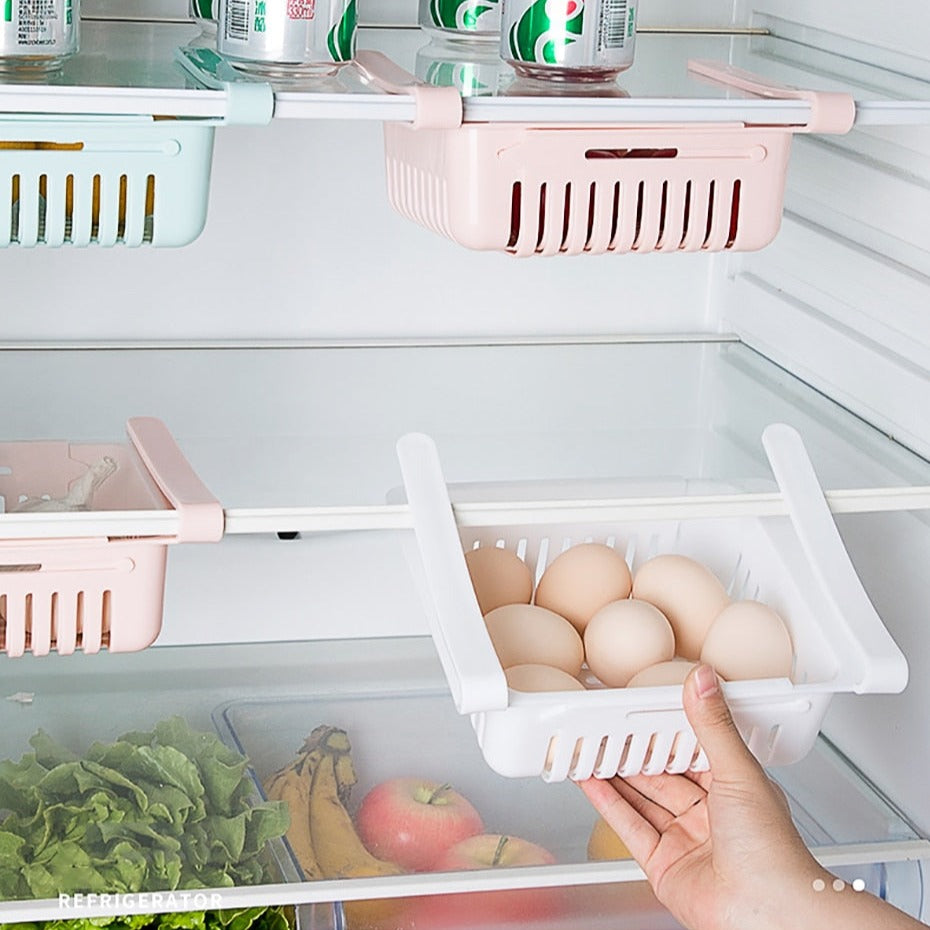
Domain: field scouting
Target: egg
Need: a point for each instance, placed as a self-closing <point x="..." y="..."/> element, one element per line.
<point x="523" y="634"/>
<point x="673" y="672"/>
<point x="540" y="678"/>
<point x="625" y="637"/>
<point x="749" y="640"/>
<point x="689" y="594"/>
<point x="499" y="577"/>
<point x="581" y="580"/>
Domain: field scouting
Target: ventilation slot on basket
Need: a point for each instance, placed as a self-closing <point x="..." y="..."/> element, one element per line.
<point x="42" y="627"/>
<point x="631" y="153"/>
<point x="734" y="215"/>
<point x="50" y="209"/>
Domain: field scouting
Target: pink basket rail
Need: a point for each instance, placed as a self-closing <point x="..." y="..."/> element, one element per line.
<point x="529" y="189"/>
<point x="90" y="592"/>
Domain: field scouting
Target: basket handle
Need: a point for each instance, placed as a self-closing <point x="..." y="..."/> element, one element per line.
<point x="200" y="516"/>
<point x="437" y="107"/>
<point x="471" y="665"/>
<point x="830" y="112"/>
<point x="859" y="632"/>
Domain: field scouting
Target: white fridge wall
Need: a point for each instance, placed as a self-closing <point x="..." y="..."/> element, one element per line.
<point x="301" y="243"/>
<point x="841" y="299"/>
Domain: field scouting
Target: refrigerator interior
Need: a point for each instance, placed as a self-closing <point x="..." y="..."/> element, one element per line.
<point x="310" y="326"/>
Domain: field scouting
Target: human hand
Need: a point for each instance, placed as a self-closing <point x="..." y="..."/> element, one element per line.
<point x="719" y="848"/>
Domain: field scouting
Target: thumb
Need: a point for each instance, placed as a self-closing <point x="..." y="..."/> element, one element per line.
<point x="714" y="728"/>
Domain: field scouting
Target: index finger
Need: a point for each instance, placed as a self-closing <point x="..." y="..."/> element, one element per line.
<point x="638" y="835"/>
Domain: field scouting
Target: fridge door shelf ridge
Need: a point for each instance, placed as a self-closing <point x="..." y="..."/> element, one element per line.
<point x="797" y="565"/>
<point x="532" y="189"/>
<point x="68" y="582"/>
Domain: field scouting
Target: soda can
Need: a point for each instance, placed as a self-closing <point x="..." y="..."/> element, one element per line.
<point x="471" y="68"/>
<point x="203" y="12"/>
<point x="264" y="34"/>
<point x="37" y="35"/>
<point x="462" y="19"/>
<point x="569" y="40"/>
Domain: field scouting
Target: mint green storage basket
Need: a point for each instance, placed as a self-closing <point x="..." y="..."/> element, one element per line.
<point x="103" y="181"/>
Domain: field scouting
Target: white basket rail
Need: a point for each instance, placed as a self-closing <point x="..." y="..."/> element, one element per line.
<point x="88" y="579"/>
<point x="796" y="564"/>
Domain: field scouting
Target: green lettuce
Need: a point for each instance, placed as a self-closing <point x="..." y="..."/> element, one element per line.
<point x="162" y="810"/>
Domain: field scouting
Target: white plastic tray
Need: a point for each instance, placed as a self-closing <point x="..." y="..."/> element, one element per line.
<point x="797" y="565"/>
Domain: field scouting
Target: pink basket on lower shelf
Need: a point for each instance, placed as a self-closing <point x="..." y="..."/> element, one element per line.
<point x="569" y="189"/>
<point x="69" y="582"/>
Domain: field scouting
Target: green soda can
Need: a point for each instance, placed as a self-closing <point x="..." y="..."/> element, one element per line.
<point x="203" y="12"/>
<point x="462" y="19"/>
<point x="472" y="68"/>
<point x="568" y="40"/>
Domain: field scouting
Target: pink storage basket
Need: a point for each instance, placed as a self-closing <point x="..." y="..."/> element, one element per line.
<point x="95" y="590"/>
<point x="530" y="189"/>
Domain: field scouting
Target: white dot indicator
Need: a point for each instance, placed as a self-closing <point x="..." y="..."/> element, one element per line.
<point x="819" y="884"/>
<point x="838" y="884"/>
<point x="858" y="884"/>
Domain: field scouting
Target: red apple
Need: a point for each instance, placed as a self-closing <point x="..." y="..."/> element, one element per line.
<point x="519" y="906"/>
<point x="413" y="821"/>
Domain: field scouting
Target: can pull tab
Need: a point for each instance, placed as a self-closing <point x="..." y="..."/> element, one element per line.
<point x="830" y="112"/>
<point x="437" y="107"/>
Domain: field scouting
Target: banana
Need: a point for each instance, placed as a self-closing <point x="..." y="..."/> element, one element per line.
<point x="292" y="785"/>
<point x="341" y="852"/>
<point x="339" y="849"/>
<point x="317" y="786"/>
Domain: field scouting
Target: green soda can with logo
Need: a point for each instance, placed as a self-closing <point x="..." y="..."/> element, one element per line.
<point x="471" y="68"/>
<point x="203" y="12"/>
<point x="462" y="19"/>
<point x="568" y="40"/>
<point x="282" y="38"/>
<point x="37" y="35"/>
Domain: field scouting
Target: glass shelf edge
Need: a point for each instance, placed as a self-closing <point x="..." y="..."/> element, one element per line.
<point x="249" y="521"/>
<point x="360" y="889"/>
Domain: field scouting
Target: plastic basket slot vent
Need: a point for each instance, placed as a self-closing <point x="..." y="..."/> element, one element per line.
<point x="647" y="753"/>
<point x="63" y="621"/>
<point x="420" y="195"/>
<point x="623" y="216"/>
<point x="80" y="209"/>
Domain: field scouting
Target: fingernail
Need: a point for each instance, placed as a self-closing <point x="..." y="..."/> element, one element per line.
<point x="705" y="678"/>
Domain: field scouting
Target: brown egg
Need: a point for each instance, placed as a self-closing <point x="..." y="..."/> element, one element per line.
<point x="581" y="580"/>
<point x="689" y="594"/>
<point x="540" y="678"/>
<point x="623" y="638"/>
<point x="748" y="640"/>
<point x="673" y="672"/>
<point x="499" y="577"/>
<point x="526" y="635"/>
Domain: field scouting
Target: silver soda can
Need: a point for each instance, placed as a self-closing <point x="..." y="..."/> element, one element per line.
<point x="569" y="40"/>
<point x="316" y="34"/>
<point x="472" y="68"/>
<point x="462" y="19"/>
<point x="37" y="35"/>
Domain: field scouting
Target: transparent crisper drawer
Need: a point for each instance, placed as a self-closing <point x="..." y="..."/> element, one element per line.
<point x="403" y="733"/>
<point x="151" y="820"/>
